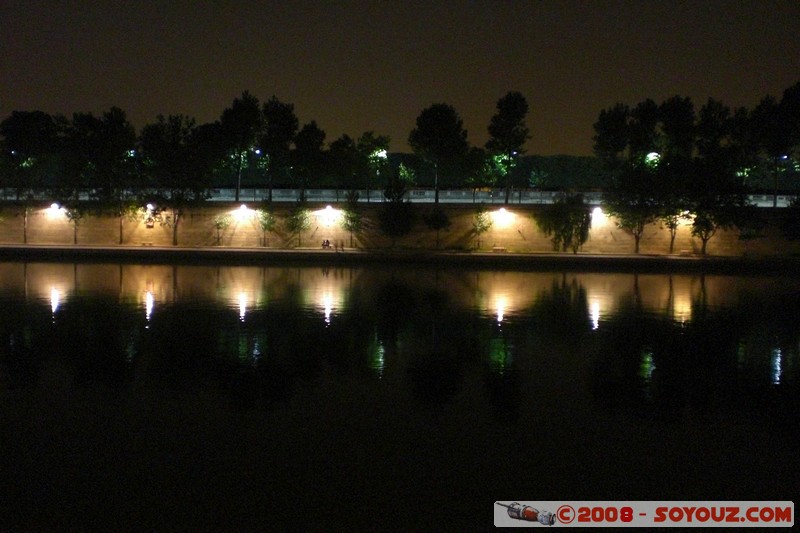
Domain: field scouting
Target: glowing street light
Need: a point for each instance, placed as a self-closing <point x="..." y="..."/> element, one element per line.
<point x="503" y="218"/>
<point x="242" y="213"/>
<point x="652" y="159"/>
<point x="328" y="216"/>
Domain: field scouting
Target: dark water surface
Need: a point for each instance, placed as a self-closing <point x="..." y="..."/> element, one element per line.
<point x="228" y="398"/>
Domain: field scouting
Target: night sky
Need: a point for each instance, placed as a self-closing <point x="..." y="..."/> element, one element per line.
<point x="359" y="65"/>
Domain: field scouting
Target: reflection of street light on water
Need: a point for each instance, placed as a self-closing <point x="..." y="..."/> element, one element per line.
<point x="242" y="305"/>
<point x="149" y="301"/>
<point x="501" y="305"/>
<point x="594" y="312"/>
<point x="327" y="305"/>
<point x="55" y="299"/>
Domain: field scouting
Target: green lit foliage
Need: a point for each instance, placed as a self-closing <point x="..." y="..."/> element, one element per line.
<point x="75" y="213"/>
<point x="266" y="221"/>
<point x="299" y="220"/>
<point x="221" y="223"/>
<point x="478" y="170"/>
<point x="372" y="162"/>
<point x="407" y="175"/>
<point x="481" y="223"/>
<point x="566" y="222"/>
<point x="507" y="135"/>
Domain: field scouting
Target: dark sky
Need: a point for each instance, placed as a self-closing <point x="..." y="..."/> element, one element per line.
<point x="374" y="65"/>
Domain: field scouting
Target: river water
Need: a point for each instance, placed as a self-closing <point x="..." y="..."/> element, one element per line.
<point x="230" y="398"/>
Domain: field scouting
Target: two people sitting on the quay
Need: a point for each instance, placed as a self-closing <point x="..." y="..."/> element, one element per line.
<point x="336" y="245"/>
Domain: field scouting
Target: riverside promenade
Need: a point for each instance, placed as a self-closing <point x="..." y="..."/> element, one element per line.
<point x="591" y="262"/>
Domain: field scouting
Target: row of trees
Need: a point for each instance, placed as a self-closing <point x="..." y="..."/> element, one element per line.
<point x="665" y="162"/>
<point x="252" y="144"/>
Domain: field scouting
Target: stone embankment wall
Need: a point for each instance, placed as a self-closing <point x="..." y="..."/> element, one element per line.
<point x="512" y="231"/>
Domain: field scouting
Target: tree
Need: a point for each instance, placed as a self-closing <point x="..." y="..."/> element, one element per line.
<point x="75" y="213"/>
<point x="674" y="166"/>
<point x="612" y="136"/>
<point x="643" y="130"/>
<point x="242" y="123"/>
<point x="437" y="220"/>
<point x="715" y="195"/>
<point x="676" y="132"/>
<point x="127" y="209"/>
<point x="266" y="221"/>
<point x="478" y="171"/>
<point x="180" y="160"/>
<point x="114" y="156"/>
<point x="373" y="159"/>
<point x="508" y="133"/>
<point x="351" y="217"/>
<point x="97" y="153"/>
<point x="276" y="139"/>
<point x="625" y="141"/>
<point x="308" y="155"/>
<point x="343" y="157"/>
<point x="396" y="215"/>
<point x="631" y="200"/>
<point x="567" y="222"/>
<point x="299" y="220"/>
<point x="221" y="223"/>
<point x="439" y="139"/>
<point x="29" y="150"/>
<point x="481" y="223"/>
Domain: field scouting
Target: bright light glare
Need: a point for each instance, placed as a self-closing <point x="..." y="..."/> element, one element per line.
<point x="148" y="305"/>
<point x="328" y="216"/>
<point x="594" y="312"/>
<point x="54" y="210"/>
<point x="682" y="307"/>
<point x="652" y="158"/>
<point x="55" y="299"/>
<point x="242" y="305"/>
<point x="501" y="305"/>
<point x="242" y="213"/>
<point x="381" y="154"/>
<point x="598" y="217"/>
<point x="327" y="305"/>
<point x="503" y="218"/>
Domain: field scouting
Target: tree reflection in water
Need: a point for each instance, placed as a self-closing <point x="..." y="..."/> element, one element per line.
<point x="392" y="384"/>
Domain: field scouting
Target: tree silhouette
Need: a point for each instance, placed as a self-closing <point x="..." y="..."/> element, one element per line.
<point x="440" y="139"/>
